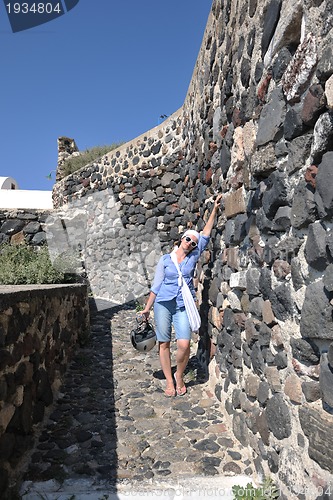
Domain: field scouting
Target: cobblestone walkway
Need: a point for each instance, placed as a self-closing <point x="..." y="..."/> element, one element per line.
<point x="112" y="429"/>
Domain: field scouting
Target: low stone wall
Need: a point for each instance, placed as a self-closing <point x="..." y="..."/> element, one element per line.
<point x="40" y="327"/>
<point x="18" y="225"/>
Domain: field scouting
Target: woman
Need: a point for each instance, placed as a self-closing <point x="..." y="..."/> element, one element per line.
<point x="168" y="302"/>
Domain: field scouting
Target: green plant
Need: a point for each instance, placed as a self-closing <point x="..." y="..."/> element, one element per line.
<point x="25" y="265"/>
<point x="86" y="157"/>
<point x="138" y="307"/>
<point x="266" y="491"/>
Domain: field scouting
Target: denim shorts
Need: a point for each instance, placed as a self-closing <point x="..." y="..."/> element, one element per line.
<point x="166" y="314"/>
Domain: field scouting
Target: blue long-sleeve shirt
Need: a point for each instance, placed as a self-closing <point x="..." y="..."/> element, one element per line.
<point x="165" y="285"/>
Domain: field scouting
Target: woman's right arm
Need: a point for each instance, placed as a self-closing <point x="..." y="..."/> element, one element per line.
<point x="158" y="280"/>
<point x="149" y="305"/>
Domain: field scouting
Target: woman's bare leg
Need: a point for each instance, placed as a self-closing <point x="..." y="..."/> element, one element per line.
<point x="165" y="360"/>
<point x="182" y="357"/>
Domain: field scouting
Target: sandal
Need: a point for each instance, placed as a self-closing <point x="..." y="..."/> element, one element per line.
<point x="169" y="393"/>
<point x="181" y="391"/>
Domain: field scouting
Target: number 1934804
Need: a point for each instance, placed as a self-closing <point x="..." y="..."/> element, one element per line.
<point x="35" y="8"/>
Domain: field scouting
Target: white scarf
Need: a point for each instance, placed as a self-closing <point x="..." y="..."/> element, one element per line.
<point x="191" y="308"/>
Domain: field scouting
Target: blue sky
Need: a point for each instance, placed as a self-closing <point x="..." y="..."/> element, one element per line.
<point x="102" y="73"/>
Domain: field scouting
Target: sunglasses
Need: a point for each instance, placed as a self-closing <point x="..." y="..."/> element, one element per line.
<point x="188" y="240"/>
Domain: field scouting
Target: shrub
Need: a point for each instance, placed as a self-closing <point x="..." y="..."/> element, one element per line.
<point x="86" y="157"/>
<point x="266" y="491"/>
<point x="25" y="265"/>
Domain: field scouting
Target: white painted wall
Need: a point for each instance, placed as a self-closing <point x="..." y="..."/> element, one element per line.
<point x="20" y="198"/>
<point x="7" y="182"/>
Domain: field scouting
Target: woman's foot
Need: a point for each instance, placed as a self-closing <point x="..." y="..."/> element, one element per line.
<point x="180" y="388"/>
<point x="170" y="392"/>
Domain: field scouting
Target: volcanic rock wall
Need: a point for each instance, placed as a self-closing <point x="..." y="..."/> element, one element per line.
<point x="257" y="125"/>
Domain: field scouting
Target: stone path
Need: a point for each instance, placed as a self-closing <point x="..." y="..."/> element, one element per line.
<point x="113" y="432"/>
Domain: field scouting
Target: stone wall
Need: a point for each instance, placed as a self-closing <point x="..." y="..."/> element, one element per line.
<point x="18" y="225"/>
<point x="257" y="125"/>
<point x="40" y="327"/>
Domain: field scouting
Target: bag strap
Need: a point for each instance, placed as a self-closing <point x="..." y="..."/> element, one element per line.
<point x="175" y="261"/>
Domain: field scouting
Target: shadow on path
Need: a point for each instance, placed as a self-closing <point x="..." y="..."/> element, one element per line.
<point x="113" y="433"/>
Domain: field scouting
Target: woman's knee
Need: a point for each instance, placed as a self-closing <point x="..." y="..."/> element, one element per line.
<point x="183" y="345"/>
<point x="164" y="346"/>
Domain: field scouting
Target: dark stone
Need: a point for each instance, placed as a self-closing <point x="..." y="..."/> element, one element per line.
<point x="270" y="20"/>
<point x="39" y="238"/>
<point x="245" y="72"/>
<point x="277" y="193"/>
<point x="232" y="468"/>
<point x="300" y="440"/>
<point x="251" y="333"/>
<point x="282" y="219"/>
<point x="252" y="7"/>
<point x="299" y="150"/>
<point x="273" y="461"/>
<point x="207" y="445"/>
<point x="316" y="315"/>
<point x="263" y="392"/>
<point x="278" y="417"/>
<point x="265" y="334"/>
<point x="32" y="228"/>
<point x="330" y="355"/>
<point x="303" y="210"/>
<point x="218" y="392"/>
<point x="21" y="422"/>
<point x="315" y="248"/>
<point x="282" y="302"/>
<point x="325" y="65"/>
<point x="281" y="360"/>
<point x="225" y="158"/>
<point x="251" y="41"/>
<point x="296" y="274"/>
<point x="256" y="306"/>
<point x="4" y="238"/>
<point x="155" y="149"/>
<point x="280" y="64"/>
<point x="311" y="391"/>
<point x="328" y="278"/>
<point x="317" y="425"/>
<point x="240" y="428"/>
<point x="324" y="185"/>
<point x="232" y="375"/>
<point x="329" y="243"/>
<point x="252" y="281"/>
<point x="287" y="247"/>
<point x="326" y="380"/>
<point x="313" y="105"/>
<point x="12" y="226"/>
<point x="265" y="282"/>
<point x="293" y="124"/>
<point x="257" y="359"/>
<point x="263" y="223"/>
<point x="240" y="228"/>
<point x="271" y="118"/>
<point x="259" y="69"/>
<point x="83" y="435"/>
<point x="305" y="351"/>
<point x="43" y="387"/>
<point x="214" y="289"/>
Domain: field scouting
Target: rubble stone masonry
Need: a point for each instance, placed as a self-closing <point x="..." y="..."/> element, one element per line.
<point x="256" y="125"/>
